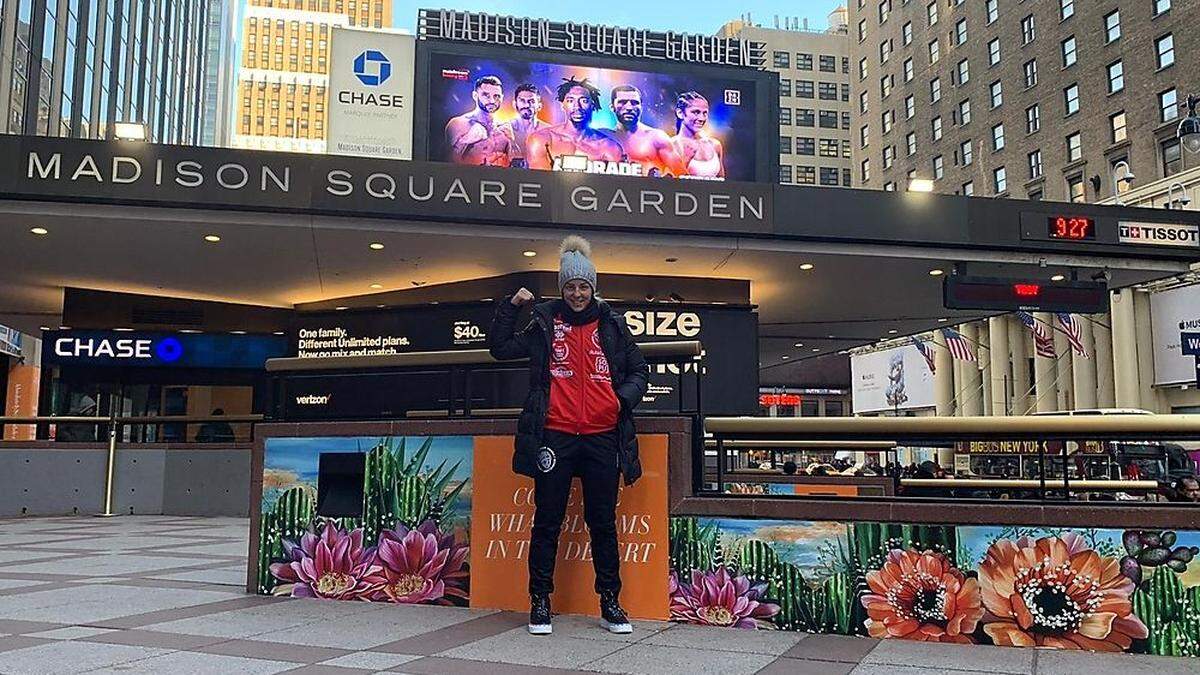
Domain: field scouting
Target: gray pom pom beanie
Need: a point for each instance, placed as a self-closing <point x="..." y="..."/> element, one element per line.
<point x="575" y="262"/>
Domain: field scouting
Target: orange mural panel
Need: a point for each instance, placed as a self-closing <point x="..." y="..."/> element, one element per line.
<point x="502" y="517"/>
<point x="22" y="401"/>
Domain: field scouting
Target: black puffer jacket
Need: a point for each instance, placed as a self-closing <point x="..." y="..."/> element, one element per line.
<point x="627" y="366"/>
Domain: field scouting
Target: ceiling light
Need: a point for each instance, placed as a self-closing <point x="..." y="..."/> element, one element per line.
<point x="486" y="299"/>
<point x="799" y="344"/>
<point x="211" y="238"/>
<point x="380" y="306"/>
<point x="831" y="337"/>
<point x="528" y="254"/>
<point x="786" y="357"/>
<point x="1057" y="277"/>
<point x="943" y="320"/>
<point x="816" y="349"/>
<point x="64" y="328"/>
<point x="188" y="330"/>
<point x="341" y="307"/>
<point x="376" y="246"/>
<point x="129" y="131"/>
<point x="377" y="286"/>
<point x="936" y="273"/>
<point x="123" y="330"/>
<point x="920" y="185"/>
<point x="278" y="332"/>
<point x="39" y="230"/>
<point x="237" y="332"/>
<point x="893" y="331"/>
<point x="806" y="266"/>
<point x="43" y="327"/>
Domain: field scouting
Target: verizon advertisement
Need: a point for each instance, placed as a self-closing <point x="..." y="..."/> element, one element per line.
<point x="1173" y="312"/>
<point x="891" y="379"/>
<point x="370" y="93"/>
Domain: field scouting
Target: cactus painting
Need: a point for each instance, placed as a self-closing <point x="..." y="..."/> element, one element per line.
<point x="416" y="503"/>
<point x="1009" y="586"/>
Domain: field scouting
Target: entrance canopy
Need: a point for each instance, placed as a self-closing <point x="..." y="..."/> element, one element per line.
<point x="829" y="269"/>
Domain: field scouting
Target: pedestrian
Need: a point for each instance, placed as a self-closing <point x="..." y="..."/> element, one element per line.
<point x="586" y="377"/>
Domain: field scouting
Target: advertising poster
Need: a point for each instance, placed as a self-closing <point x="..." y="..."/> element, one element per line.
<point x="558" y="117"/>
<point x="371" y="93"/>
<point x="891" y="379"/>
<point x="1173" y="312"/>
<point x="21" y="400"/>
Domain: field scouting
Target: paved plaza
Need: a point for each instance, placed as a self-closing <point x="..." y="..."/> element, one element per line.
<point x="157" y="594"/>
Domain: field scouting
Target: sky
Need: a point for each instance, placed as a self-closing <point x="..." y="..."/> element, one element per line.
<point x="701" y="16"/>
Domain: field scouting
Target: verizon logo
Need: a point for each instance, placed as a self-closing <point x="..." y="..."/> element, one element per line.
<point x="313" y="399"/>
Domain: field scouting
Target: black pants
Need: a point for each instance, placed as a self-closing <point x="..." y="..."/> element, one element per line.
<point x="594" y="459"/>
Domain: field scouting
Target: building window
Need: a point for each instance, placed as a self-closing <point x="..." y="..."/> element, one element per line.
<point x="888" y="119"/>
<point x="846" y="153"/>
<point x="889" y="156"/>
<point x="939" y="167"/>
<point x="1028" y="33"/>
<point x="994" y="52"/>
<point x="829" y="119"/>
<point x="1071" y="99"/>
<point x="828" y="64"/>
<point x="1035" y="164"/>
<point x="1067" y="8"/>
<point x="827" y="91"/>
<point x="885" y="51"/>
<point x="806" y="146"/>
<point x="866" y="170"/>
<point x="785" y="87"/>
<point x="829" y="176"/>
<point x="935" y="90"/>
<point x="1069" y="53"/>
<point x="785" y="117"/>
<point x="1116" y="77"/>
<point x="862" y="101"/>
<point x="862" y="30"/>
<point x="785" y="145"/>
<point x="1168" y="104"/>
<point x="1112" y="26"/>
<point x="1031" y="75"/>
<point x="936" y="128"/>
<point x="1161" y="6"/>
<point x="885" y="86"/>
<point x="885" y="10"/>
<point x="1165" y="47"/>
<point x="1172" y="157"/>
<point x="964" y="71"/>
<point x="845" y="92"/>
<point x="785" y="174"/>
<point x="960" y="32"/>
<point x="806" y="175"/>
<point x="911" y="143"/>
<point x="935" y="52"/>
<point x="1117" y="124"/>
<point x="906" y="34"/>
<point x="910" y="108"/>
<point x="1000" y="180"/>
<point x="931" y="11"/>
<point x="829" y="147"/>
<point x="781" y="59"/>
<point x="1036" y="195"/>
<point x="993" y="10"/>
<point x="968" y="188"/>
<point x="845" y="65"/>
<point x="966" y="152"/>
<point x="998" y="137"/>
<point x="997" y="94"/>
<point x="805" y="117"/>
<point x="964" y="112"/>
<point x="889" y="186"/>
<point x="862" y="68"/>
<point x="1033" y="118"/>
<point x="804" y="88"/>
<point x="1074" y="147"/>
<point x="908" y="70"/>
<point x="845" y="121"/>
<point x="1075" y="189"/>
<point x="864" y="135"/>
<point x="845" y="177"/>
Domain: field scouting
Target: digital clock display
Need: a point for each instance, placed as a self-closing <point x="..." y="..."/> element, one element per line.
<point x="1072" y="228"/>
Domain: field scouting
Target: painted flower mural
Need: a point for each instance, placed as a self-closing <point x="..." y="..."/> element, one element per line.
<point x="330" y="563"/>
<point x="1057" y="592"/>
<point x="421" y="565"/>
<point x="921" y="596"/>
<point x="720" y="599"/>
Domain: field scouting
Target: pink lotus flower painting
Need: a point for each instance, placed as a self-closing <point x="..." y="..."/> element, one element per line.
<point x="720" y="599"/>
<point x="421" y="565"/>
<point x="331" y="563"/>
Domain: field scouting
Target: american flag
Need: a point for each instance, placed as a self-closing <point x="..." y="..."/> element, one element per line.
<point x="926" y="350"/>
<point x="960" y="348"/>
<point x="1073" y="331"/>
<point x="1045" y="343"/>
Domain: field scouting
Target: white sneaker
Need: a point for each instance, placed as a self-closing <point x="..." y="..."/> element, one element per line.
<point x="618" y="628"/>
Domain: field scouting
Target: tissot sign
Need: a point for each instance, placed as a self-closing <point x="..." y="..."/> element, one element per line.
<point x="220" y="178"/>
<point x="582" y="38"/>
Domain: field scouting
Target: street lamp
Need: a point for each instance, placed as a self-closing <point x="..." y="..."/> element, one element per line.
<point x="1189" y="129"/>
<point x="1184" y="200"/>
<point x="1127" y="178"/>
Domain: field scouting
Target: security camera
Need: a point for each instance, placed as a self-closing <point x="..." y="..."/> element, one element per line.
<point x="1102" y="275"/>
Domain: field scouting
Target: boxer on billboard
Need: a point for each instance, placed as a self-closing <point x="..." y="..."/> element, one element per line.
<point x="473" y="137"/>
<point x="702" y="155"/>
<point x="528" y="103"/>
<point x="645" y="145"/>
<point x="547" y="147"/>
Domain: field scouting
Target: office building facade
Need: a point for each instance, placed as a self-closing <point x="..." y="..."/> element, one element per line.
<point x="815" y="117"/>
<point x="1057" y="99"/>
<point x="74" y="67"/>
<point x="284" y="69"/>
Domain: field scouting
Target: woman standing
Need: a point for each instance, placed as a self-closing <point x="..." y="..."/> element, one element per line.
<point x="586" y="375"/>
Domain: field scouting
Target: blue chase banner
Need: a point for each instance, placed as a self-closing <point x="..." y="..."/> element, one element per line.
<point x="173" y="350"/>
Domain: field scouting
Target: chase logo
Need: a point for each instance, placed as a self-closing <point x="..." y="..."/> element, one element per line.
<point x="168" y="350"/>
<point x="372" y="68"/>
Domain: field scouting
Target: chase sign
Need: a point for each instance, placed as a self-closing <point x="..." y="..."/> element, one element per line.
<point x="105" y="348"/>
<point x="372" y="68"/>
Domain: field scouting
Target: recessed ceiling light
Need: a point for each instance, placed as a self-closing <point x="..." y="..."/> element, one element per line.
<point x="188" y="330"/>
<point x="43" y="327"/>
<point x="942" y="320"/>
<point x="786" y="357"/>
<point x="671" y="260"/>
<point x="237" y="332"/>
<point x="376" y="286"/>
<point x="64" y="328"/>
<point x="211" y="238"/>
<point x="806" y="266"/>
<point x="830" y="337"/>
<point x="123" y="330"/>
<point x="380" y="306"/>
<point x="486" y="299"/>
<point x="376" y="246"/>
<point x="1057" y="277"/>
<point x="816" y="349"/>
<point x="341" y="307"/>
<point x="39" y="230"/>
<point x="799" y="344"/>
<point x="278" y="332"/>
<point x="936" y="273"/>
<point x="528" y="254"/>
<point x="893" y="331"/>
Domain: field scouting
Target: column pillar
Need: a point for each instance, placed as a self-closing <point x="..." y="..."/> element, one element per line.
<point x="998" y="345"/>
<point x="1044" y="373"/>
<point x="1018" y="347"/>
<point x="943" y="378"/>
<point x="985" y="367"/>
<point x="1102" y="339"/>
<point x="970" y="392"/>
<point x="1084" y="371"/>
<point x="1145" y="352"/>
<point x="1124" y="347"/>
<point x="1062" y="368"/>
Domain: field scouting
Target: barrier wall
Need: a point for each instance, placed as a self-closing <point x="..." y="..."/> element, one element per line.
<point x="54" y="479"/>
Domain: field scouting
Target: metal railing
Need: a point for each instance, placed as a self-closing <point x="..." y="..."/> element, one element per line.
<point x="1063" y="455"/>
<point x="114" y="423"/>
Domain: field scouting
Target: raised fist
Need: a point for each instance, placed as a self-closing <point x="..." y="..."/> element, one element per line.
<point x="521" y="297"/>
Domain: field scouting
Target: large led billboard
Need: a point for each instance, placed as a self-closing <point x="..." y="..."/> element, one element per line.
<point x="498" y="107"/>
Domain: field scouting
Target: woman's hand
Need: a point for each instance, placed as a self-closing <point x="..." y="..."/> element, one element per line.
<point x="521" y="297"/>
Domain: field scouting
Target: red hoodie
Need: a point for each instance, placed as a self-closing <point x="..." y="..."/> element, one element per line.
<point x="582" y="400"/>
